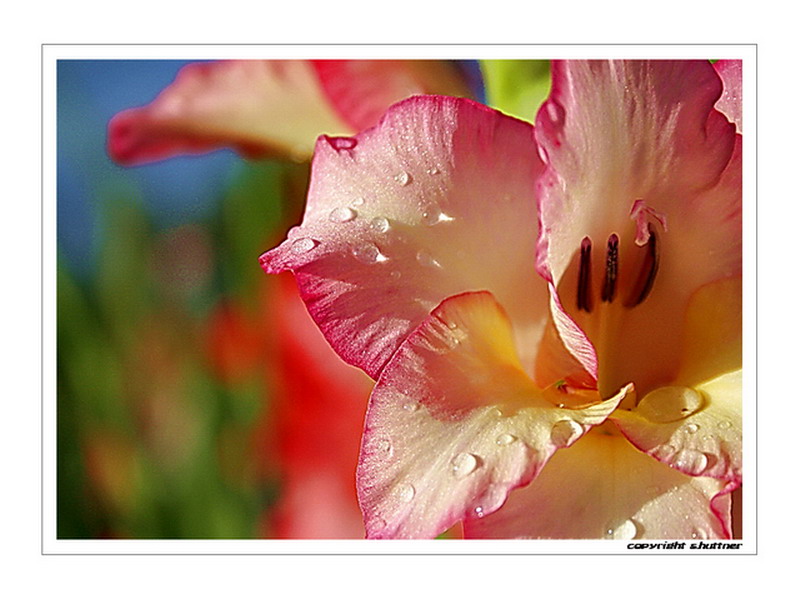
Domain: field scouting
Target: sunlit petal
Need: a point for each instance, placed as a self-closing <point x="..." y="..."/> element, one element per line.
<point x="455" y="423"/>
<point x="434" y="201"/>
<point x="636" y="153"/>
<point x="602" y="487"/>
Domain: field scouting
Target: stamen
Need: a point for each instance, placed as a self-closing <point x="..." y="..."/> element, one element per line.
<point x="612" y="260"/>
<point x="647" y="274"/>
<point x="584" y="276"/>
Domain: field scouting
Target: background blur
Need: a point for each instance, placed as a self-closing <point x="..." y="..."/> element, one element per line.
<point x="195" y="398"/>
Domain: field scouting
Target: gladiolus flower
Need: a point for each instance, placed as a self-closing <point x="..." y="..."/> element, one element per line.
<point x="270" y="107"/>
<point x="448" y="252"/>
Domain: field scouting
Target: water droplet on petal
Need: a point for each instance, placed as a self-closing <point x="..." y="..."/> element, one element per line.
<point x="432" y="171"/>
<point x="405" y="492"/>
<point x="697" y="534"/>
<point x="379" y="224"/>
<point x="402" y="178"/>
<point x="692" y="428"/>
<point x="434" y="216"/>
<point x="358" y="202"/>
<point x="342" y="215"/>
<point x="504" y="439"/>
<point x="369" y="254"/>
<point x="691" y="461"/>
<point x="627" y="530"/>
<point x="478" y="510"/>
<point x="385" y="446"/>
<point x="303" y="245"/>
<point x="410" y="406"/>
<point x="665" y="452"/>
<point x="725" y="425"/>
<point x="343" y="143"/>
<point x="565" y="433"/>
<point x="671" y="403"/>
<point x="463" y="464"/>
<point x="426" y="260"/>
<point x="555" y="111"/>
<point x="395" y="274"/>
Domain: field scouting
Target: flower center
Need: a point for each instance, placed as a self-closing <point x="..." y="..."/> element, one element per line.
<point x="637" y="288"/>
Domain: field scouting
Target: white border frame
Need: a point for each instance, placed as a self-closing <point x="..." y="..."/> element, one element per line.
<point x="52" y="53"/>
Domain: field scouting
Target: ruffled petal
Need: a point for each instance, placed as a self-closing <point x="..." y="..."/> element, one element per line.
<point x="361" y="90"/>
<point x="256" y="107"/>
<point x="602" y="487"/>
<point x="434" y="201"/>
<point x="730" y="103"/>
<point x="635" y="152"/>
<point x="696" y="430"/>
<point x="454" y="423"/>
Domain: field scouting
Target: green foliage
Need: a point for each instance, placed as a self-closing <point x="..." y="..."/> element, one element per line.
<point x="516" y="87"/>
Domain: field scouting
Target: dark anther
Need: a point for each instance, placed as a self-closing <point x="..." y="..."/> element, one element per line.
<point x="585" y="276"/>
<point x="647" y="274"/>
<point x="612" y="260"/>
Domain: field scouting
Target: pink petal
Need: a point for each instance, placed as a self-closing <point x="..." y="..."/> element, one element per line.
<point x="630" y="147"/>
<point x="730" y="103"/>
<point x="454" y="423"/>
<point x="434" y="201"/>
<point x="255" y="107"/>
<point x="361" y="90"/>
<point x="696" y="430"/>
<point x="316" y="412"/>
<point x="602" y="487"/>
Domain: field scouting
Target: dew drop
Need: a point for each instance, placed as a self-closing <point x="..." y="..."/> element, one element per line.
<point x="432" y="171"/>
<point x="495" y="412"/>
<point x="303" y="245"/>
<point x="698" y="534"/>
<point x="671" y="403"/>
<point x="358" y="202"/>
<point x="343" y="143"/>
<point x="425" y="259"/>
<point x="379" y="224"/>
<point x="411" y="407"/>
<point x="342" y="215"/>
<point x="725" y="425"/>
<point x="385" y="446"/>
<point x="691" y="461"/>
<point x="627" y="530"/>
<point x="665" y="452"/>
<point x="479" y="512"/>
<point x="692" y="428"/>
<point x="395" y="274"/>
<point x="369" y="254"/>
<point x="434" y="216"/>
<point x="565" y="433"/>
<point x="463" y="464"/>
<point x="402" y="178"/>
<point x="405" y="492"/>
<point x="504" y="439"/>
